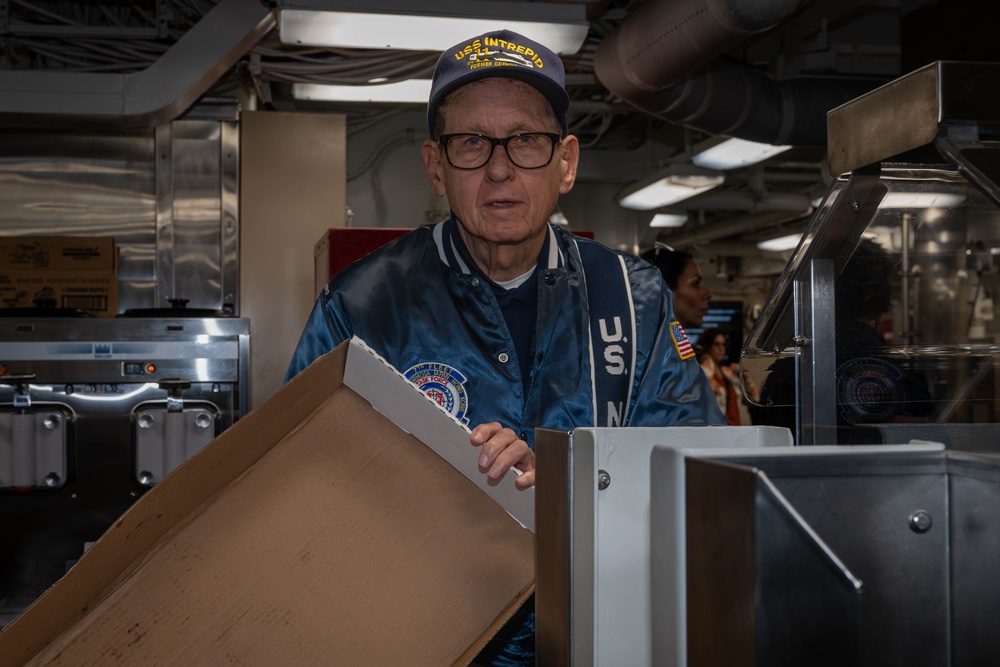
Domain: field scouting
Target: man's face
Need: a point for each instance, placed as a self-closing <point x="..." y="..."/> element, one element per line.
<point x="499" y="203"/>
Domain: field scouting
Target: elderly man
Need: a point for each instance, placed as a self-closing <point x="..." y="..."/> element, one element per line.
<point x="509" y="322"/>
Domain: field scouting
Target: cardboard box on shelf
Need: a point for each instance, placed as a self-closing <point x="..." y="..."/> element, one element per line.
<point x="94" y="291"/>
<point x="70" y="272"/>
<point x="314" y="531"/>
<point x="58" y="253"/>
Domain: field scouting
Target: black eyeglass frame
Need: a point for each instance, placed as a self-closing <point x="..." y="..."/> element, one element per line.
<point x="554" y="137"/>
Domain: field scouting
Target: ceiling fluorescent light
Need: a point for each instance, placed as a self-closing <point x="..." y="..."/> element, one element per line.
<point x="921" y="200"/>
<point x="668" y="186"/>
<point x="668" y="220"/>
<point x="424" y="25"/>
<point x="725" y="154"/>
<point x="414" y="91"/>
<point x="780" y="243"/>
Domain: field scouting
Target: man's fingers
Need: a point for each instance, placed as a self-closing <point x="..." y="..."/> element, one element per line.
<point x="503" y="449"/>
<point x="526" y="480"/>
<point x="511" y="454"/>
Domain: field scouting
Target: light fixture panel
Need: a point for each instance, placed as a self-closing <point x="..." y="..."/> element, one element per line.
<point x="668" y="186"/>
<point x="668" y="220"/>
<point x="558" y="218"/>
<point x="426" y="26"/>
<point x="411" y="91"/>
<point x="780" y="243"/>
<point x="921" y="200"/>
<point x="734" y="153"/>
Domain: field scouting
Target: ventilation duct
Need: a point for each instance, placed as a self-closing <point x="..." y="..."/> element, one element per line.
<point x="665" y="59"/>
<point x="149" y="98"/>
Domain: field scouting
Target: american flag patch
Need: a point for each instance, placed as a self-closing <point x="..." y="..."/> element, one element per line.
<point x="681" y="341"/>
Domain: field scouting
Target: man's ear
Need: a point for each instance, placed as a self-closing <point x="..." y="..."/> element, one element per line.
<point x="568" y="163"/>
<point x="431" y="153"/>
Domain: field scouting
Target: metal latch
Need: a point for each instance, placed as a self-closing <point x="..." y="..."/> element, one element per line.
<point x="175" y="388"/>
<point x="22" y="388"/>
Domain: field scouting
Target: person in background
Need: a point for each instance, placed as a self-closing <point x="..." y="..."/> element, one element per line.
<point x="511" y="322"/>
<point x="723" y="377"/>
<point x="683" y="277"/>
<point x="872" y="386"/>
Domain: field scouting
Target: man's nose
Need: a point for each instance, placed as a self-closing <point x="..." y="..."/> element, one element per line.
<point x="499" y="167"/>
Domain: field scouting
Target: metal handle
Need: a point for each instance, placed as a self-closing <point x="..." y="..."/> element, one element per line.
<point x="174" y="387"/>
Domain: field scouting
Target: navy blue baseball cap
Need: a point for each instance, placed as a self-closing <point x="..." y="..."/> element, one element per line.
<point x="500" y="53"/>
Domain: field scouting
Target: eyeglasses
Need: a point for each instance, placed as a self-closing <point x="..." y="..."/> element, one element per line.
<point x="527" y="150"/>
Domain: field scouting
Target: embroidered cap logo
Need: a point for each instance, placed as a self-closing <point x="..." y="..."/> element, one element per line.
<point x="503" y="54"/>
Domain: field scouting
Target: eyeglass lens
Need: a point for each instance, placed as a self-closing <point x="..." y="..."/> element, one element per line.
<point x="528" y="151"/>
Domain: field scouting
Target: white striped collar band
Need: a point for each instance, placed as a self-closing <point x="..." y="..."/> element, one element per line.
<point x="449" y="252"/>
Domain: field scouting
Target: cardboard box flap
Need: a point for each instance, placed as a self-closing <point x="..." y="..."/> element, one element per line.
<point x="312" y="530"/>
<point x="402" y="402"/>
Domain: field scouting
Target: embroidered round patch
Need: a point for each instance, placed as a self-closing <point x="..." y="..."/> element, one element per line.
<point x="869" y="390"/>
<point x="442" y="384"/>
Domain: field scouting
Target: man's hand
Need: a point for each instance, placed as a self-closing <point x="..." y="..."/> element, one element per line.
<point x="502" y="449"/>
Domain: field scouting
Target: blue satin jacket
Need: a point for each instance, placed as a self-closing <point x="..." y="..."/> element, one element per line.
<point x="422" y="308"/>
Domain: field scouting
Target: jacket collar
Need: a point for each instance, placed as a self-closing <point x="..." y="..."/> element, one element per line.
<point x="452" y="251"/>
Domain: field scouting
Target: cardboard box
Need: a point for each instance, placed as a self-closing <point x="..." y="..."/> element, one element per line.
<point x="73" y="272"/>
<point x="58" y="253"/>
<point x="94" y="291"/>
<point x="314" y="531"/>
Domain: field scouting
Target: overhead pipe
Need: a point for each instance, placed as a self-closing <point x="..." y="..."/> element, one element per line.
<point x="749" y="201"/>
<point x="665" y="60"/>
<point x="718" y="230"/>
<point x="663" y="41"/>
<point x="152" y="97"/>
<point x="593" y="9"/>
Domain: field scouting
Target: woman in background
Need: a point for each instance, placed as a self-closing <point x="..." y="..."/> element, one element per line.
<point x="723" y="377"/>
<point x="683" y="277"/>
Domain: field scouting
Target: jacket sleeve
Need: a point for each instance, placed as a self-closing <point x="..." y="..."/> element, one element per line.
<point x="325" y="329"/>
<point x="670" y="391"/>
